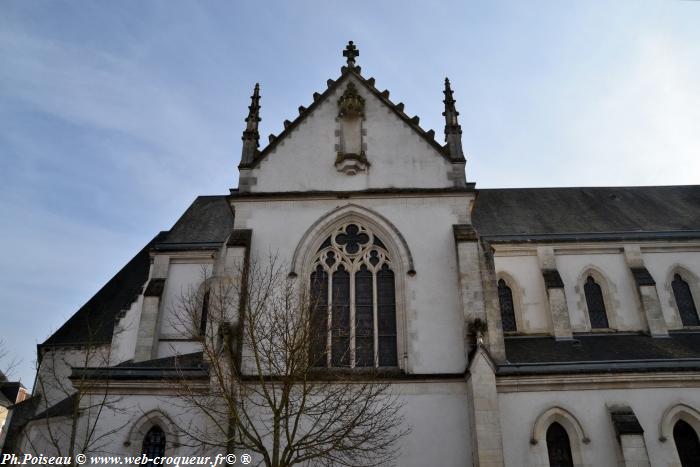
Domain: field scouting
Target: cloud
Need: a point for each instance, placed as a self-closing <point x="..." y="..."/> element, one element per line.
<point x="644" y="128"/>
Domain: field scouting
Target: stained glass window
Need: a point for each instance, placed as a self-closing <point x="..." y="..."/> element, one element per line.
<point x="319" y="316"/>
<point x="558" y="446"/>
<point x="505" y="299"/>
<point x="687" y="444"/>
<point x="357" y="327"/>
<point x="153" y="444"/>
<point x="685" y="302"/>
<point x="204" y="315"/>
<point x="596" y="304"/>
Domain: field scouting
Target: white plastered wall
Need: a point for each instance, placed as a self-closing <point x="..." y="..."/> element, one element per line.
<point x="185" y="276"/>
<point x="399" y="156"/>
<point x="661" y="267"/>
<point x="520" y="410"/>
<point x="621" y="301"/>
<point x="532" y="302"/>
<point x="126" y="330"/>
<point x="435" y="412"/>
<point x="432" y="305"/>
<point x="621" y="298"/>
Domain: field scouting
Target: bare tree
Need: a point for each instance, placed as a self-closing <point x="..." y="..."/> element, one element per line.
<point x="71" y="405"/>
<point x="8" y="364"/>
<point x="266" y="393"/>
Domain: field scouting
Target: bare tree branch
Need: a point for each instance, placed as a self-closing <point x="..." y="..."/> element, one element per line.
<point x="266" y="394"/>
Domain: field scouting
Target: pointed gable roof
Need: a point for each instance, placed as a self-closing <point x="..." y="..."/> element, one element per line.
<point x="368" y="83"/>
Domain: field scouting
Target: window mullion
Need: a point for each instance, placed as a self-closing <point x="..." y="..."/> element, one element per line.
<point x="352" y="317"/>
<point x="375" y="319"/>
<point x="329" y="333"/>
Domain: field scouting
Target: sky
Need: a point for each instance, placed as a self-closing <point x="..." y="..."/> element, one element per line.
<point x="114" y="116"/>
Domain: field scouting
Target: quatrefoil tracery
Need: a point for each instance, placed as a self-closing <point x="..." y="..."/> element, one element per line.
<point x="352" y="245"/>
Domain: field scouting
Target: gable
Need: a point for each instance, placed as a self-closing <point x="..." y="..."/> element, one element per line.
<point x="400" y="154"/>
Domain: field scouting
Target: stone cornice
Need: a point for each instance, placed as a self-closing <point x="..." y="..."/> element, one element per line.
<point x="374" y="192"/>
<point x="639" y="380"/>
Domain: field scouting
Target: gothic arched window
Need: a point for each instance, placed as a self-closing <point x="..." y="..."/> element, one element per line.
<point x="505" y="299"/>
<point x="353" y="301"/>
<point x="687" y="444"/>
<point x="153" y="444"/>
<point x="204" y="315"/>
<point x="596" y="304"/>
<point x="685" y="302"/>
<point x="558" y="446"/>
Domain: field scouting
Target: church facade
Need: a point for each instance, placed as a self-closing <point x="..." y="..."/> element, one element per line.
<point x="525" y="327"/>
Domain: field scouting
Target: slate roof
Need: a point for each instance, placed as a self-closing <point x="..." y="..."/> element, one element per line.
<point x="602" y="353"/>
<point x="188" y="366"/>
<point x="190" y="360"/>
<point x="631" y="211"/>
<point x="9" y="391"/>
<point x="22" y="413"/>
<point x="208" y="221"/>
<point x="94" y="322"/>
<point x="62" y="408"/>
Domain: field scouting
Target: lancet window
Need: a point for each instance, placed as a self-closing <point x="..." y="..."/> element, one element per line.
<point x="596" y="304"/>
<point x="687" y="444"/>
<point x="685" y="302"/>
<point x="153" y="444"/>
<point x="505" y="300"/>
<point x="558" y="446"/>
<point x="353" y="297"/>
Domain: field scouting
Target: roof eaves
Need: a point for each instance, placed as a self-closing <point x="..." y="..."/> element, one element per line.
<point x="186" y="246"/>
<point x="576" y="237"/>
<point x="610" y="366"/>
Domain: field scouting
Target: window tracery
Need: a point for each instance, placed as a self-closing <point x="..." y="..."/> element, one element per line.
<point x="353" y="301"/>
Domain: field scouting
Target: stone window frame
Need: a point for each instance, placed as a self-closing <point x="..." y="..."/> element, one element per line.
<point x="609" y="290"/>
<point x="140" y="428"/>
<point x="678" y="411"/>
<point x="518" y="297"/>
<point x="395" y="244"/>
<point x="354" y="263"/>
<point x="693" y="281"/>
<point x="578" y="438"/>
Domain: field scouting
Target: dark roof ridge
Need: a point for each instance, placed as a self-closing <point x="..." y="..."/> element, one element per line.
<point x="383" y="96"/>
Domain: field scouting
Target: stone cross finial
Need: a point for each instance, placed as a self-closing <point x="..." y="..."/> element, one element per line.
<point x="351" y="52"/>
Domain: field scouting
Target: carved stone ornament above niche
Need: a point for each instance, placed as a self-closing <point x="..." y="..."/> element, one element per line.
<point x="351" y="158"/>
<point x="351" y="104"/>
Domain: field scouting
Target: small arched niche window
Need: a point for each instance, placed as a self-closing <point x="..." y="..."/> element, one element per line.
<point x="687" y="444"/>
<point x="684" y="301"/>
<point x="505" y="300"/>
<point x="596" y="304"/>
<point x="353" y="302"/>
<point x="559" y="446"/>
<point x="153" y="444"/>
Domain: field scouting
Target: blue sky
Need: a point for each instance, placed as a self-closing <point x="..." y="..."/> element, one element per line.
<point x="115" y="115"/>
